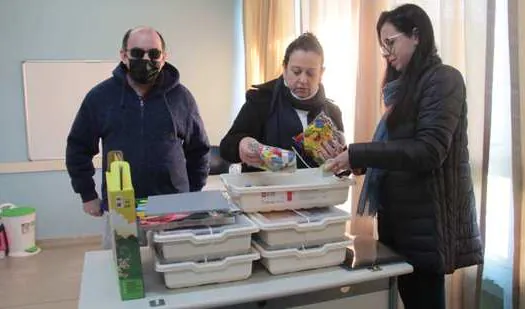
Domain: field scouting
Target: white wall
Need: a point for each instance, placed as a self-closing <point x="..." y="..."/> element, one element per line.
<point x="202" y="38"/>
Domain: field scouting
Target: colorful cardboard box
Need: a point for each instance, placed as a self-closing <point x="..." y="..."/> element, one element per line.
<point x="123" y="221"/>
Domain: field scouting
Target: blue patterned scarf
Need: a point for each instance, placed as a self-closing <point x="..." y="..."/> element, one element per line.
<point x="369" y="197"/>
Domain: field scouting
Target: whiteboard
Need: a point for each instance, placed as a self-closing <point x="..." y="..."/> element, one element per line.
<point x="53" y="92"/>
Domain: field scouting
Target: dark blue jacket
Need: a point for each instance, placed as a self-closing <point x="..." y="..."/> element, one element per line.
<point x="161" y="135"/>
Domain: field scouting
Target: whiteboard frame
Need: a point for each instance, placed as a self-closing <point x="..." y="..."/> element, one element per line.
<point x="26" y="105"/>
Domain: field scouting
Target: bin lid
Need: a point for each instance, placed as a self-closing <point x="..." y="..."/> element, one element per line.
<point x="17" y="212"/>
<point x="299" y="219"/>
<point x="242" y="226"/>
<point x="188" y="202"/>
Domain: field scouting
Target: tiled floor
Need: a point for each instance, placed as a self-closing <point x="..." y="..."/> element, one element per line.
<point x="50" y="279"/>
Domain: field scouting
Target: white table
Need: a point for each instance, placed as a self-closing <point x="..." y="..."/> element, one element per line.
<point x="214" y="182"/>
<point x="328" y="288"/>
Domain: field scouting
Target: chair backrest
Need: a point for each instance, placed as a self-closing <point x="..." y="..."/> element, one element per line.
<point x="217" y="164"/>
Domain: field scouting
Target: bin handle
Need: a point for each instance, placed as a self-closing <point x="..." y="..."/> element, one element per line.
<point x="6" y="206"/>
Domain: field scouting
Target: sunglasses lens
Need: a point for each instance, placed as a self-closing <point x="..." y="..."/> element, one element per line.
<point x="154" y="54"/>
<point x="137" y="53"/>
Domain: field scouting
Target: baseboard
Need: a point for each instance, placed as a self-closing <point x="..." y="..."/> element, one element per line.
<point x="69" y="241"/>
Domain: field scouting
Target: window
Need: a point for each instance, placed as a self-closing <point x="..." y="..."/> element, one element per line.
<point x="497" y="270"/>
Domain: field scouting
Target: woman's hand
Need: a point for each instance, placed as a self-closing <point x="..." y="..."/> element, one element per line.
<point x="248" y="151"/>
<point x="338" y="164"/>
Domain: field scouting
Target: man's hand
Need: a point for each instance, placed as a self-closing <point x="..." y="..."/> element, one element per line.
<point x="93" y="208"/>
<point x="248" y="151"/>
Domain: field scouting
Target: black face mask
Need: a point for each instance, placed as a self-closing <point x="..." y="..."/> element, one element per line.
<point x="143" y="71"/>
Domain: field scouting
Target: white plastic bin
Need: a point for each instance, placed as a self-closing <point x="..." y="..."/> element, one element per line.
<point x="269" y="191"/>
<point x="204" y="243"/>
<point x="19" y="223"/>
<point x="297" y="259"/>
<point x="293" y="228"/>
<point x="187" y="274"/>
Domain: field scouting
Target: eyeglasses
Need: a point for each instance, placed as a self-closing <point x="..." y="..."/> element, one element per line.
<point x="388" y="45"/>
<point x="139" y="53"/>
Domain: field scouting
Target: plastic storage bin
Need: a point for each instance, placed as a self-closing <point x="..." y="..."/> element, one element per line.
<point x="297" y="259"/>
<point x="292" y="228"/>
<point x="187" y="274"/>
<point x="268" y="191"/>
<point x="205" y="243"/>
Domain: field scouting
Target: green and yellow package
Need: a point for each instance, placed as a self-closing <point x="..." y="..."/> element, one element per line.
<point x="123" y="222"/>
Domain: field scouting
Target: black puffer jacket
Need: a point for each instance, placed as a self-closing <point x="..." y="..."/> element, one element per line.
<point x="428" y="209"/>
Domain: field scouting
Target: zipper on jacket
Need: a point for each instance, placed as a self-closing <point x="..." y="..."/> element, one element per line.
<point x="141" y="118"/>
<point x="142" y="150"/>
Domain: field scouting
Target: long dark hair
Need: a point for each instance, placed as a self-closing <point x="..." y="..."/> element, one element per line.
<point x="411" y="20"/>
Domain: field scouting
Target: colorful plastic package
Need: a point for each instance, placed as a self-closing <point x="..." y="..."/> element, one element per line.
<point x="274" y="158"/>
<point x="319" y="135"/>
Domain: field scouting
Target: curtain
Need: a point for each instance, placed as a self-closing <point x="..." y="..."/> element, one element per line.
<point x="520" y="243"/>
<point x="269" y="26"/>
<point x="334" y="22"/>
<point x="516" y="16"/>
<point x="368" y="107"/>
<point x="337" y="25"/>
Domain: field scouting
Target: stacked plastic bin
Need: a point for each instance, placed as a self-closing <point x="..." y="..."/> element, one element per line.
<point x="207" y="254"/>
<point x="300" y="228"/>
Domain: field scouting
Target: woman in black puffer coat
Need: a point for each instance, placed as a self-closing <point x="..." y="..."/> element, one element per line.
<point x="418" y="178"/>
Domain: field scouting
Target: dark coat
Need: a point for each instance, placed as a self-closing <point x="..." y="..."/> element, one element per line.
<point x="256" y="115"/>
<point x="428" y="211"/>
<point x="161" y="135"/>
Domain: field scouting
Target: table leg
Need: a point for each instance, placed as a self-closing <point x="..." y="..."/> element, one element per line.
<point x="392" y="299"/>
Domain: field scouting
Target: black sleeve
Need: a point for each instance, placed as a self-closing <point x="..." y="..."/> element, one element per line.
<point x="196" y="147"/>
<point x="440" y="107"/>
<point x="82" y="146"/>
<point x="248" y="123"/>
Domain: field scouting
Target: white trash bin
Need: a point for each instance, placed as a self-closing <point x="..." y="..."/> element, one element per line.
<point x="19" y="223"/>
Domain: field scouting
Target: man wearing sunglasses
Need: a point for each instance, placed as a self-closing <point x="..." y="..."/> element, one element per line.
<point x="143" y="111"/>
